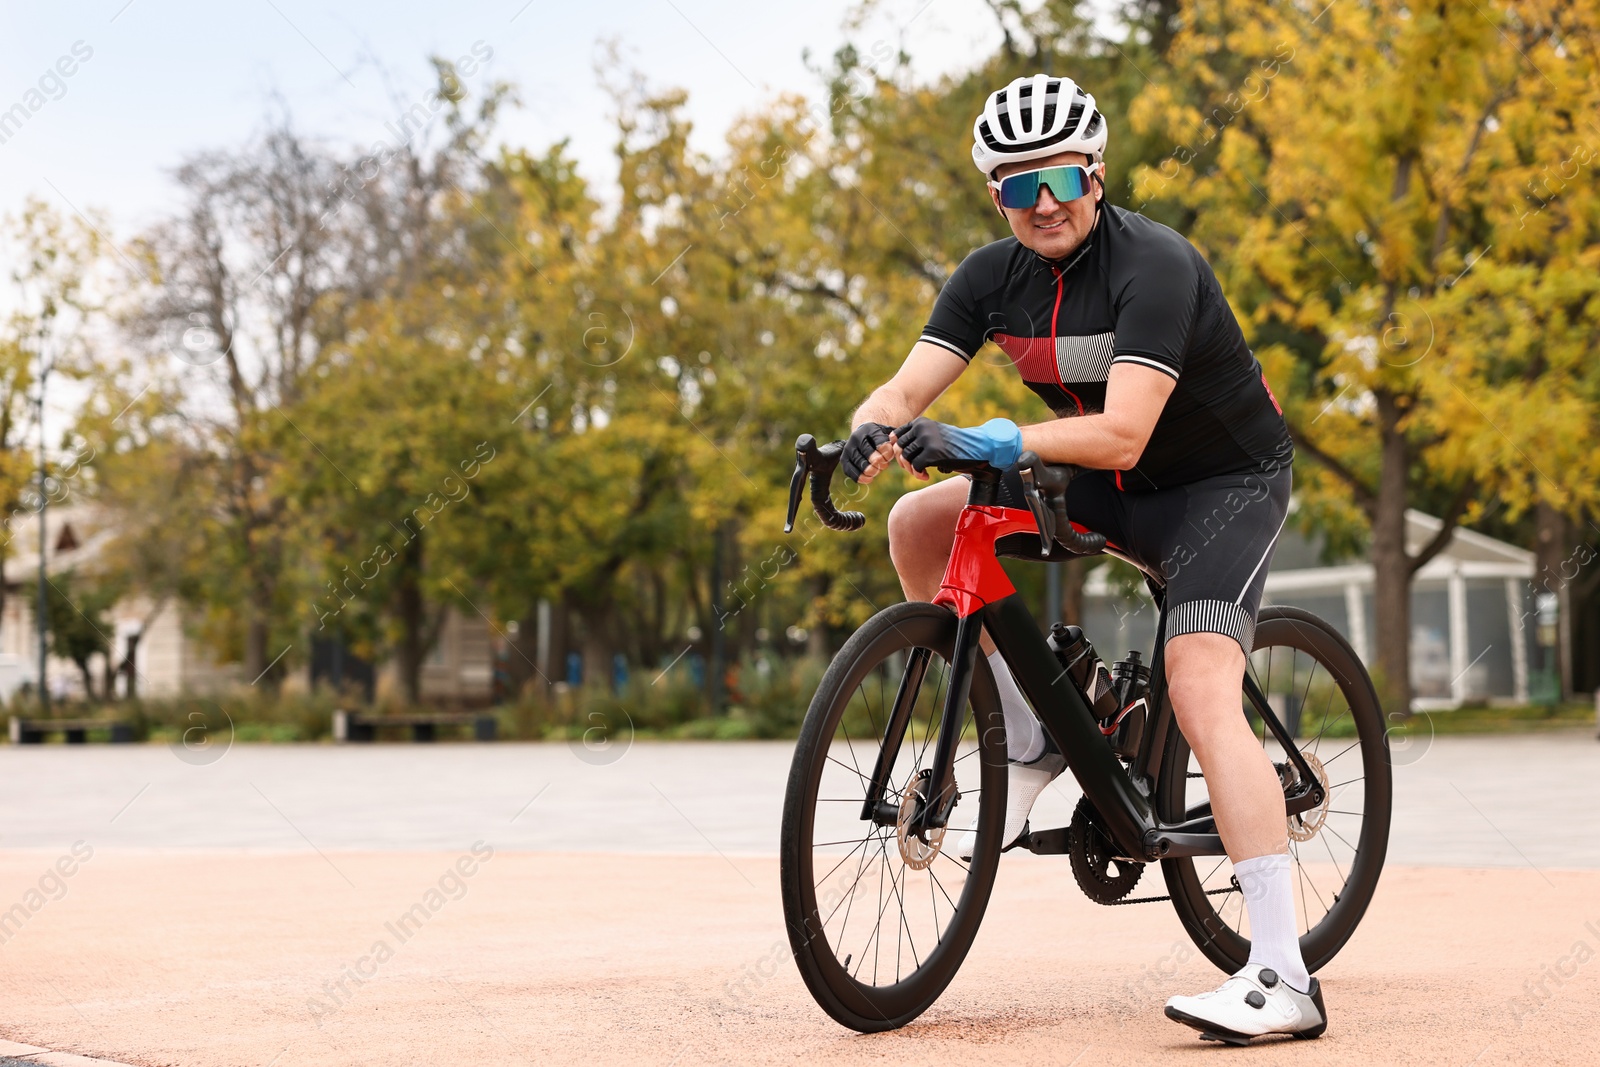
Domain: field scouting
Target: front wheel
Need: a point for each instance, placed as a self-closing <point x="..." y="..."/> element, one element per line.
<point x="1315" y="684"/>
<point x="879" y="915"/>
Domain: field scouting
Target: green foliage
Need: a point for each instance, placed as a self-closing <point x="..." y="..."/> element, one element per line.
<point x="478" y="381"/>
<point x="75" y="618"/>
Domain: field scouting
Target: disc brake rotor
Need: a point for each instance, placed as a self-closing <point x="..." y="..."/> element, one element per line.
<point x="1304" y="826"/>
<point x="917" y="850"/>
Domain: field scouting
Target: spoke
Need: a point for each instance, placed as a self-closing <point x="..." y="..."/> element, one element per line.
<point x="1307" y="880"/>
<point x="1214" y="870"/>
<point x="1326" y="722"/>
<point x="858" y="841"/>
<point x="945" y="855"/>
<point x="841" y="863"/>
<point x="1353" y="849"/>
<point x="935" y="880"/>
<point x="873" y="719"/>
<point x="1305" y="697"/>
<point x="852" y="770"/>
<point x="850" y="898"/>
<point x="1342" y="879"/>
<point x="883" y="906"/>
<point x="1341" y="785"/>
<point x="1342" y="751"/>
<point x="905" y="924"/>
<point x="850" y="747"/>
<point x="872" y="938"/>
<point x="1300" y="873"/>
<point x="1341" y="811"/>
<point x="1316" y="744"/>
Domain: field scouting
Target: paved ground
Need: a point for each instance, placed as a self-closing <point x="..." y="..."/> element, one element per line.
<point x="232" y="914"/>
<point x="1460" y="801"/>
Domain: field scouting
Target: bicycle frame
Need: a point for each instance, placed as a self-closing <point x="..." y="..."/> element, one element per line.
<point x="976" y="588"/>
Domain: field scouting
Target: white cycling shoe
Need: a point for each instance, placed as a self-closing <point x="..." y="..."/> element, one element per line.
<point x="1024" y="783"/>
<point x="1252" y="1003"/>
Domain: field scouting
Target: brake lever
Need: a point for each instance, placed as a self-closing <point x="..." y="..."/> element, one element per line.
<point x="797" y="484"/>
<point x="1030" y="492"/>
<point x="1050" y="483"/>
<point x="818" y="462"/>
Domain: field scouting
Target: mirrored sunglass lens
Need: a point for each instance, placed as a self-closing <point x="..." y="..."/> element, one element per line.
<point x="1022" y="190"/>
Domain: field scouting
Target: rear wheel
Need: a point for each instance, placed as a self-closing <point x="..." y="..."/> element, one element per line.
<point x="1317" y="687"/>
<point x="879" y="916"/>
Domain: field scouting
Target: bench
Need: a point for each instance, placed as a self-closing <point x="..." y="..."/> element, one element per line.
<point x="358" y="726"/>
<point x="34" y="731"/>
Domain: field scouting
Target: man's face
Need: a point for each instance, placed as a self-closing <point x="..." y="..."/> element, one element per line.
<point x="1051" y="228"/>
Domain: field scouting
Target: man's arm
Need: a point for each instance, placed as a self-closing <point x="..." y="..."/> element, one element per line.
<point x="927" y="372"/>
<point x="1113" y="439"/>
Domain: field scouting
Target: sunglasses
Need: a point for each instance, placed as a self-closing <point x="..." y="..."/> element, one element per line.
<point x="1066" y="184"/>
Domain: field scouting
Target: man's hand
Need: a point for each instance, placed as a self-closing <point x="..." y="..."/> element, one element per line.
<point x="924" y="443"/>
<point x="869" y="450"/>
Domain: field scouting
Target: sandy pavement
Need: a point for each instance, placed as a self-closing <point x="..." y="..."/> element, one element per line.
<point x="233" y="957"/>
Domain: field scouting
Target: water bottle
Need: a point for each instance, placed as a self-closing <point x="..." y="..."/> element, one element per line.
<point x="1130" y="683"/>
<point x="1085" y="669"/>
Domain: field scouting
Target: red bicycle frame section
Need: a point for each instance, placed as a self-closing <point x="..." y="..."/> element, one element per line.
<point x="974" y="578"/>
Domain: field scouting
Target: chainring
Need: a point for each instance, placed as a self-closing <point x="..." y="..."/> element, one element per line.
<point x="1103" y="877"/>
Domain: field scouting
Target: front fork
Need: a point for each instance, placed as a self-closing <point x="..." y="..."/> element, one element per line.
<point x="939" y="794"/>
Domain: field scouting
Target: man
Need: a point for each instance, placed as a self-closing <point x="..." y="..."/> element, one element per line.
<point x="1119" y="324"/>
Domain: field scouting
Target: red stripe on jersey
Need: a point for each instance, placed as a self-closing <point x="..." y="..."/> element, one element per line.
<point x="1271" y="395"/>
<point x="1034" y="357"/>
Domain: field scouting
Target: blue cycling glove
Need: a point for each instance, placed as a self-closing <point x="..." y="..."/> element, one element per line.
<point x="925" y="443"/>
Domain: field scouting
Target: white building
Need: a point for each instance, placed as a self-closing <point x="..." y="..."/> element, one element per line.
<point x="1471" y="611"/>
<point x="168" y="657"/>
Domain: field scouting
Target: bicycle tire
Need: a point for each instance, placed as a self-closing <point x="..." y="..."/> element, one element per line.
<point x="1202" y="913"/>
<point x="867" y="1006"/>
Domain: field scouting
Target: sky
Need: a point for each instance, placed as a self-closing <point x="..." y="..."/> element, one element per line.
<point x="153" y="81"/>
<point x="101" y="100"/>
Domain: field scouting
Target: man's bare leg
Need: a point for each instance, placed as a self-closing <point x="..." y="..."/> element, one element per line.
<point x="922" y="532"/>
<point x="1204" y="675"/>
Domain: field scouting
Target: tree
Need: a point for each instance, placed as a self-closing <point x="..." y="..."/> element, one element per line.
<point x="235" y="286"/>
<point x="53" y="263"/>
<point x="75" y="618"/>
<point x="1358" y="184"/>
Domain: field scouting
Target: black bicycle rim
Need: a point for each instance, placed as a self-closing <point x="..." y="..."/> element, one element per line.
<point x="1314" y="681"/>
<point x="875" y="938"/>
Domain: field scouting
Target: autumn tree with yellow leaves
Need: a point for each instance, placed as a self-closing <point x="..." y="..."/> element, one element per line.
<point x="1400" y="204"/>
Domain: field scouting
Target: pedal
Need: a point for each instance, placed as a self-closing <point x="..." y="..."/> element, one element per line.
<point x="1044" y="842"/>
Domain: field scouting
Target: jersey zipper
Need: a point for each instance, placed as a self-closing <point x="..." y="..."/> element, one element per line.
<point x="1055" y="358"/>
<point x="1055" y="345"/>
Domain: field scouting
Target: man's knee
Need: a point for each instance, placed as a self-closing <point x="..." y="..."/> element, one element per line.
<point x="1204" y="675"/>
<point x="921" y="523"/>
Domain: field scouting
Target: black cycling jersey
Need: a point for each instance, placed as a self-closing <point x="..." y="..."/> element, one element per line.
<point x="1135" y="292"/>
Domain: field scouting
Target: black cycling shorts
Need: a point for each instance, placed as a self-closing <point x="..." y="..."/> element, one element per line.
<point x="1211" y="540"/>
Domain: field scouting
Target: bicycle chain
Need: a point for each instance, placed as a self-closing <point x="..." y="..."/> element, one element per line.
<point x="1209" y="892"/>
<point x="1154" y="900"/>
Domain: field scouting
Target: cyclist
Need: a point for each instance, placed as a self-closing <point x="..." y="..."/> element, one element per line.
<point x="1120" y="326"/>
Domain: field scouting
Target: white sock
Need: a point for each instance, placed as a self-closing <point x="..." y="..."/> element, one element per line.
<point x="1268" y="888"/>
<point x="1024" y="733"/>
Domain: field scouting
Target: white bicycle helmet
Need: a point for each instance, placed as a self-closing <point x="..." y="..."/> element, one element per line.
<point x="1025" y="120"/>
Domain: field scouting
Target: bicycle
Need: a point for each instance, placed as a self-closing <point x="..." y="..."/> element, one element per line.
<point x="929" y="753"/>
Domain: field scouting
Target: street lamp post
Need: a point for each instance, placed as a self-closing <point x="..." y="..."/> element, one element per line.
<point x="40" y="616"/>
